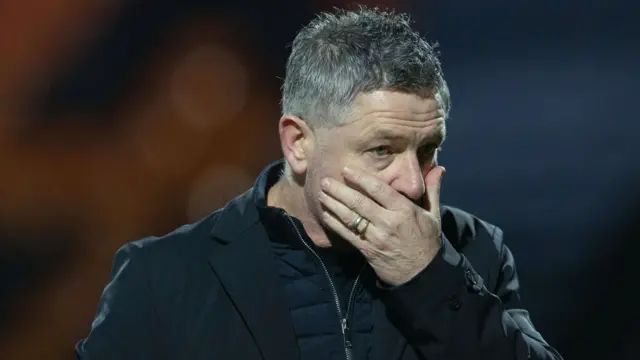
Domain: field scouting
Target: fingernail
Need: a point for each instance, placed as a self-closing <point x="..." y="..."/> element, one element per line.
<point x="325" y="183"/>
<point x="348" y="170"/>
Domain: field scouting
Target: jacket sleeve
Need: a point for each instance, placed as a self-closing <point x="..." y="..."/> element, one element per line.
<point x="122" y="326"/>
<point x="446" y="311"/>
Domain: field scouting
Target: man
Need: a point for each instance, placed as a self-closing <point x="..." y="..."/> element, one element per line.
<point x="341" y="250"/>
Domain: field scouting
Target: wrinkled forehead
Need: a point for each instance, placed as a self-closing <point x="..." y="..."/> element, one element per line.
<point x="385" y="104"/>
<point x="396" y="117"/>
<point x="433" y="132"/>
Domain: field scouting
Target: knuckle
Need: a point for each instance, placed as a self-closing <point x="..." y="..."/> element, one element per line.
<point x="367" y="252"/>
<point x="382" y="246"/>
<point x="397" y="224"/>
<point x="357" y="202"/>
<point x="387" y="223"/>
<point x="377" y="188"/>
<point x="406" y="212"/>
<point x="392" y="224"/>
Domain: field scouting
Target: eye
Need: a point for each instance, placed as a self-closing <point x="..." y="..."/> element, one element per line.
<point x="381" y="151"/>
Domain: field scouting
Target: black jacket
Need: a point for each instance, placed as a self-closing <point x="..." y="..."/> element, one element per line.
<point x="210" y="291"/>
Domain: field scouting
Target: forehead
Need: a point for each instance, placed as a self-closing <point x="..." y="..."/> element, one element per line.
<point x="411" y="106"/>
<point x="397" y="112"/>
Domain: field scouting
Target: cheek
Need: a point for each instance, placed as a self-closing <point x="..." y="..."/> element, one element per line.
<point x="322" y="165"/>
<point x="328" y="162"/>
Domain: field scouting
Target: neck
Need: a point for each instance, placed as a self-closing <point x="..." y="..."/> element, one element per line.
<point x="291" y="198"/>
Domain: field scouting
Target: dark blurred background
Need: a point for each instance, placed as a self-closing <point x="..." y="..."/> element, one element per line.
<point x="124" y="119"/>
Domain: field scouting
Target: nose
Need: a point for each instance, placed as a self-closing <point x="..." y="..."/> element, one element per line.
<point x="408" y="179"/>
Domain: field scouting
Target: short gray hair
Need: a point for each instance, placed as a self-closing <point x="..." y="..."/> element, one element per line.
<point x="342" y="54"/>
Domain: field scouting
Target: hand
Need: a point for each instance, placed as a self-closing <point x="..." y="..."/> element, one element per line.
<point x="401" y="238"/>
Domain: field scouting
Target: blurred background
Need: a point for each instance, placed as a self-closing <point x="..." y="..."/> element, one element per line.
<point x="125" y="119"/>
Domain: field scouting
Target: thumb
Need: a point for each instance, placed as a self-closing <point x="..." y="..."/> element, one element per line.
<point x="433" y="182"/>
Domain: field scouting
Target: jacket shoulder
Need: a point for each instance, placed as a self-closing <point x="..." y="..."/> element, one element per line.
<point x="185" y="242"/>
<point x="169" y="263"/>
<point x="464" y="229"/>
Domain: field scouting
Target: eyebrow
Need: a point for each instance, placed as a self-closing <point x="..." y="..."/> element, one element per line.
<point x="386" y="134"/>
<point x="382" y="134"/>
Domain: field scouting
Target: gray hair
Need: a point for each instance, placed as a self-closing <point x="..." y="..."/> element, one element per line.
<point x="342" y="54"/>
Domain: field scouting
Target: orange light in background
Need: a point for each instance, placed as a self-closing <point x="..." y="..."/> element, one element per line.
<point x="193" y="129"/>
<point x="209" y="86"/>
<point x="195" y="107"/>
<point x="215" y="187"/>
<point x="37" y="36"/>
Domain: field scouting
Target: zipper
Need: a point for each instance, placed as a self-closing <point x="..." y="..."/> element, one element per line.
<point x="342" y="316"/>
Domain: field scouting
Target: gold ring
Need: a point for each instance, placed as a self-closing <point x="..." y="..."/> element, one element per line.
<point x="364" y="228"/>
<point x="354" y="225"/>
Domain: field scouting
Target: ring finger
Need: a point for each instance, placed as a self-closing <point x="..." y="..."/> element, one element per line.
<point x="340" y="210"/>
<point x="341" y="213"/>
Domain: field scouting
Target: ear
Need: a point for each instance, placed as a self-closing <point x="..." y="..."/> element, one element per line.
<point x="297" y="141"/>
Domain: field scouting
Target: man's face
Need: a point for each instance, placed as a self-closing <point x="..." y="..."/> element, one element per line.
<point x="392" y="135"/>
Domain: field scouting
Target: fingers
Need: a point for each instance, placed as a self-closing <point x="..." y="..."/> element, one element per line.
<point x="344" y="214"/>
<point x="340" y="228"/>
<point x="339" y="218"/>
<point x="339" y="210"/>
<point x="433" y="182"/>
<point x="350" y="200"/>
<point x="374" y="187"/>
